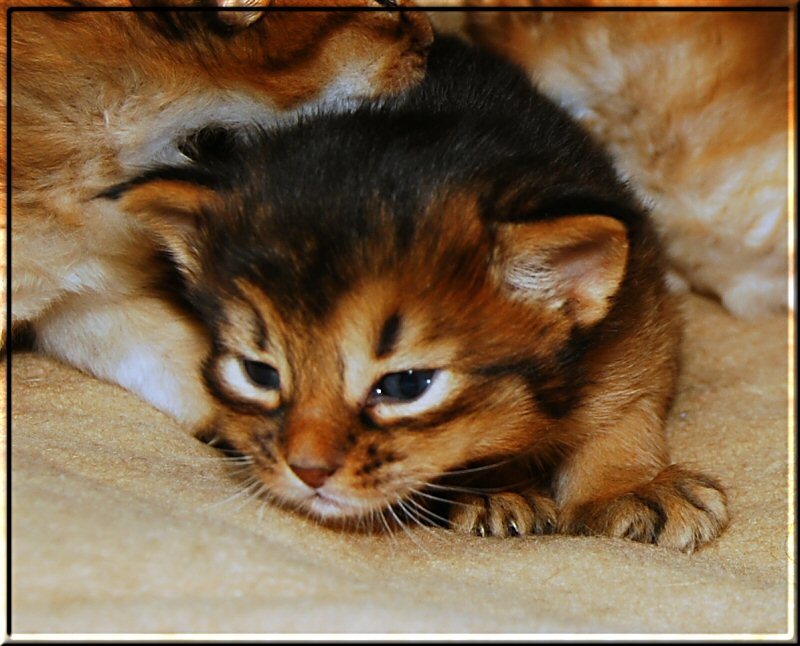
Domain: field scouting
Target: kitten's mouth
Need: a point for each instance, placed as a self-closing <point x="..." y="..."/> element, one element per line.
<point x="328" y="506"/>
<point x="325" y="509"/>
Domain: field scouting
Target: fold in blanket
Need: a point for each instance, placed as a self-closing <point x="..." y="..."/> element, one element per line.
<point x="121" y="523"/>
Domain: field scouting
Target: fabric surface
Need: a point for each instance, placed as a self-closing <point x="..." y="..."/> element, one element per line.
<point x="121" y="523"/>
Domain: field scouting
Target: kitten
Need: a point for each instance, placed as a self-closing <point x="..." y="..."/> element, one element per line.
<point x="452" y="289"/>
<point x="99" y="97"/>
<point x="694" y="107"/>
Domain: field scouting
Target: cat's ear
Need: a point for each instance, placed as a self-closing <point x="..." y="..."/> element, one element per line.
<point x="173" y="212"/>
<point x="241" y="19"/>
<point x="574" y="264"/>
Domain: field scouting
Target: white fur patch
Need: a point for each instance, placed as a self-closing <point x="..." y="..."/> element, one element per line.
<point x="141" y="344"/>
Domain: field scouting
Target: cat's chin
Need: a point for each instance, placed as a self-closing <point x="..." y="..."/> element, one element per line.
<point x="329" y="508"/>
<point x="324" y="508"/>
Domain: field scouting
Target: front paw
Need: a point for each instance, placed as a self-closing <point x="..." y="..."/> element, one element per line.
<point x="679" y="509"/>
<point x="503" y="514"/>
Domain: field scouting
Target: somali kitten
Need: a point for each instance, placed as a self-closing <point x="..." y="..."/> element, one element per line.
<point x="453" y="288"/>
<point x="99" y="97"/>
<point x="694" y="108"/>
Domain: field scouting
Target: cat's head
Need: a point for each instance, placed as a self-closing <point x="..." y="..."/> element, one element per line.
<point x="366" y="342"/>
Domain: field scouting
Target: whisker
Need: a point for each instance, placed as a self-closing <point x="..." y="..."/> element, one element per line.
<point x="239" y="468"/>
<point x="199" y="459"/>
<point x="424" y="512"/>
<point x="389" y="532"/>
<point x="478" y="490"/>
<point x="420" y="489"/>
<point x="407" y="531"/>
<point x="236" y="459"/>
<point x="430" y="496"/>
<point x="417" y="513"/>
<point x="261" y="509"/>
<point x="252" y="494"/>
<point x="366" y="523"/>
<point x="482" y="467"/>
<point x="409" y="513"/>
<point x="244" y="493"/>
<point x="360" y="523"/>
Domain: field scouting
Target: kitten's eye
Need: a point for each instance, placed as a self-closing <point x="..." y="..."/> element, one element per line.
<point x="262" y="374"/>
<point x="246" y="380"/>
<point x="402" y="386"/>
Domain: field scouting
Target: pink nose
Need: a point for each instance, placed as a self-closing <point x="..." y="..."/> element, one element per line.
<point x="314" y="477"/>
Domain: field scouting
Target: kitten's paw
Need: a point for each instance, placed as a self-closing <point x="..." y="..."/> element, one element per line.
<point x="503" y="514"/>
<point x="678" y="509"/>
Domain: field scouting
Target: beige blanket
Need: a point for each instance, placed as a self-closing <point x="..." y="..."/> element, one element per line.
<point x="121" y="523"/>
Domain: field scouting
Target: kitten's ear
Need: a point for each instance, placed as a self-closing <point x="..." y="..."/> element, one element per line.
<point x="574" y="263"/>
<point x="173" y="212"/>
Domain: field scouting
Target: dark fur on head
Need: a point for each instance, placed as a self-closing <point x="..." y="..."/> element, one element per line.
<point x="521" y="156"/>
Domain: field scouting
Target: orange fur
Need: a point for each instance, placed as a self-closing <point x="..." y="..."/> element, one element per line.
<point x="694" y="106"/>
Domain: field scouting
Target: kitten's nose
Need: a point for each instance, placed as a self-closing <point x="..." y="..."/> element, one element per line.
<point x="314" y="477"/>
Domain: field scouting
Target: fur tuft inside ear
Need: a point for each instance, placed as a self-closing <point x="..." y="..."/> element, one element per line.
<point x="172" y="211"/>
<point x="574" y="263"/>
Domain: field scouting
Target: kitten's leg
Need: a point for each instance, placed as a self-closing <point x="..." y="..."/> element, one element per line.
<point x="619" y="484"/>
<point x="503" y="500"/>
<point x="142" y="343"/>
<point x="678" y="508"/>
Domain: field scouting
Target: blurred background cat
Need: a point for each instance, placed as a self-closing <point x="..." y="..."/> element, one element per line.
<point x="98" y="97"/>
<point x="694" y="107"/>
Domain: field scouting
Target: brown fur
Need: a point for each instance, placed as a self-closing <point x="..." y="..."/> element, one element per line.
<point x="98" y="97"/>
